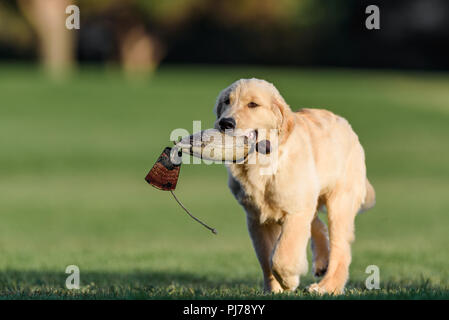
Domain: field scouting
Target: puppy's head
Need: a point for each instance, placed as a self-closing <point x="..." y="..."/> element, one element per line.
<point x="251" y="104"/>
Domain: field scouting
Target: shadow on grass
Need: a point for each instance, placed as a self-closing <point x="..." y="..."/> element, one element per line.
<point x="122" y="285"/>
<point x="181" y="285"/>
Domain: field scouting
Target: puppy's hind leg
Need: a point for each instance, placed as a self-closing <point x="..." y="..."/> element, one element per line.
<point x="320" y="247"/>
<point x="342" y="209"/>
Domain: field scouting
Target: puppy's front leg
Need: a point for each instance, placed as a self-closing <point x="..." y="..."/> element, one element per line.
<point x="264" y="237"/>
<point x="289" y="259"/>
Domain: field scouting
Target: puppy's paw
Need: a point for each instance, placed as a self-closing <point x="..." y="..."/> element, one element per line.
<point x="316" y="289"/>
<point x="272" y="286"/>
<point x="322" y="288"/>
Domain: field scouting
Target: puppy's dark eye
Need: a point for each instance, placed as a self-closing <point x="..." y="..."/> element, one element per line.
<point x="227" y="101"/>
<point x="252" y="105"/>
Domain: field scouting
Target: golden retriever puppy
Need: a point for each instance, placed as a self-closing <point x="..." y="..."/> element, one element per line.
<point x="319" y="162"/>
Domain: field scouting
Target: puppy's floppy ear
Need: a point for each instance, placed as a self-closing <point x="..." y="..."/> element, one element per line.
<point x="283" y="113"/>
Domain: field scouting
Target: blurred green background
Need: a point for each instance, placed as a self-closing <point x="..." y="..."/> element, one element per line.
<point x="84" y="115"/>
<point x="72" y="189"/>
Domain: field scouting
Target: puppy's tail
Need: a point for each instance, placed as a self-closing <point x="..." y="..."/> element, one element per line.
<point x="370" y="197"/>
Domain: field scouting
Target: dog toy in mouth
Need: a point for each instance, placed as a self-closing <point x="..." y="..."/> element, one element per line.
<point x="212" y="144"/>
<point x="209" y="144"/>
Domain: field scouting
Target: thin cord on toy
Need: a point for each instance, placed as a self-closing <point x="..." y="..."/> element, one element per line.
<point x="214" y="231"/>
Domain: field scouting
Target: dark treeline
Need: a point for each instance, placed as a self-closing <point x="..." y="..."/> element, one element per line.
<point x="414" y="34"/>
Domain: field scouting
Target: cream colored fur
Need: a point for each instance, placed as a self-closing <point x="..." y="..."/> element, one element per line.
<point x="320" y="163"/>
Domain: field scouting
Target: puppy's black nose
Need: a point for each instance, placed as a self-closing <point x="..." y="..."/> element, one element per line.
<point x="227" y="124"/>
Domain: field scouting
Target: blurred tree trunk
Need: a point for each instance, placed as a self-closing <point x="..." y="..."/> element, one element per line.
<point x="140" y="53"/>
<point x="56" y="42"/>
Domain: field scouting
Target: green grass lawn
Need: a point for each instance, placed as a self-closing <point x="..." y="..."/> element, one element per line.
<point x="72" y="191"/>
